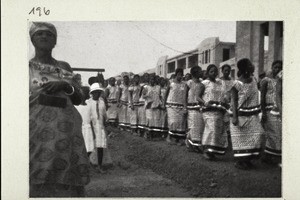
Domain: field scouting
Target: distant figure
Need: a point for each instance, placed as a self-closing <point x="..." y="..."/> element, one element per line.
<point x="176" y="104"/>
<point x="134" y="103"/>
<point x="271" y="118"/>
<point x="111" y="93"/>
<point x="141" y="114"/>
<point x="123" y="103"/>
<point x="195" y="122"/>
<point x="228" y="81"/>
<point x="163" y="112"/>
<point x="153" y="104"/>
<point x="260" y="78"/>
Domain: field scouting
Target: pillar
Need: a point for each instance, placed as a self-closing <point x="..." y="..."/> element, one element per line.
<point x="274" y="43"/>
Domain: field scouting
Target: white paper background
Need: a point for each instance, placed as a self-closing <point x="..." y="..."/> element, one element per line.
<point x="14" y="65"/>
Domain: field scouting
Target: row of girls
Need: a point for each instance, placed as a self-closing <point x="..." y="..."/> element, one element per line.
<point x="204" y="114"/>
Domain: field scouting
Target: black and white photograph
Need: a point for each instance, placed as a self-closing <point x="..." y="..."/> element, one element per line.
<point x="159" y="99"/>
<point x="155" y="108"/>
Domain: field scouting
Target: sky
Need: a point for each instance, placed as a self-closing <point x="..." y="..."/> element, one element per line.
<point x="134" y="46"/>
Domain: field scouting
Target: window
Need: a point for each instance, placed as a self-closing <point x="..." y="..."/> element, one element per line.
<point x="193" y="61"/>
<point x="182" y="63"/>
<point x="226" y="54"/>
<point x="171" y="67"/>
<point x="206" y="57"/>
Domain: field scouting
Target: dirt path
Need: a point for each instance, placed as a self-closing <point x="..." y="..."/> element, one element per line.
<point x="156" y="169"/>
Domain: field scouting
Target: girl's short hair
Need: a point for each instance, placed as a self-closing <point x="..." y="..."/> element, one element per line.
<point x="194" y="69"/>
<point x="178" y="70"/>
<point x="245" y="66"/>
<point x="226" y="65"/>
<point x="210" y="67"/>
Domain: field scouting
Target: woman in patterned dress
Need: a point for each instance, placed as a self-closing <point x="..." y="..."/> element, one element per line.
<point x="214" y="140"/>
<point x="59" y="166"/>
<point x="153" y="104"/>
<point x="163" y="111"/>
<point x="123" y="103"/>
<point x="246" y="130"/>
<point x="176" y="109"/>
<point x="271" y="119"/>
<point x="141" y="114"/>
<point x="195" y="121"/>
<point x="111" y="92"/>
<point x="134" y="103"/>
<point x="228" y="81"/>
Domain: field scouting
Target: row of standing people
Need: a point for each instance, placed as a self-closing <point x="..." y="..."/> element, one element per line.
<point x="203" y="113"/>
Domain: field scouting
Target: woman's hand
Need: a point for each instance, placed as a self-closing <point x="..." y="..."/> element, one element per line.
<point x="184" y="110"/>
<point x="56" y="86"/>
<point x="131" y="106"/>
<point x="235" y="121"/>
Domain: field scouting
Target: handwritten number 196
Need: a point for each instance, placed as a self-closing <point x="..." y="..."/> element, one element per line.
<point x="39" y="11"/>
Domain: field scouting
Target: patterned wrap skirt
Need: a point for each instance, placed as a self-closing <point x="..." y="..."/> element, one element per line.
<point x="112" y="111"/>
<point x="195" y="124"/>
<point x="57" y="150"/>
<point x="273" y="129"/>
<point x="176" y="121"/>
<point x="247" y="137"/>
<point x="123" y="115"/>
<point x="163" y="121"/>
<point x="141" y="115"/>
<point x="133" y="117"/>
<point x="153" y="122"/>
<point x="226" y="122"/>
<point x="214" y="140"/>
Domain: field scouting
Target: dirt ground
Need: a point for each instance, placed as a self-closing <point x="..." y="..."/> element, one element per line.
<point x="156" y="169"/>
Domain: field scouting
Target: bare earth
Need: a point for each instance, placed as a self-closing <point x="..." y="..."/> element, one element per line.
<point x="156" y="169"/>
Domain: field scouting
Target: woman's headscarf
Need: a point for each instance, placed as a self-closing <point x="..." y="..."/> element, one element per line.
<point x="42" y="26"/>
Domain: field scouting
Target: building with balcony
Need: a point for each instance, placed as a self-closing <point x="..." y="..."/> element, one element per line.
<point x="209" y="51"/>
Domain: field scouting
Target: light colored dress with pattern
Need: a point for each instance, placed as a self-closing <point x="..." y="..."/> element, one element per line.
<point x="141" y="114"/>
<point x="273" y="123"/>
<point x="57" y="151"/>
<point x="133" y="114"/>
<point x="123" y="110"/>
<point x="163" y="112"/>
<point x="228" y="86"/>
<point x="175" y="105"/>
<point x="214" y="138"/>
<point x="112" y="110"/>
<point x="247" y="136"/>
<point x="152" y="97"/>
<point x="195" y="122"/>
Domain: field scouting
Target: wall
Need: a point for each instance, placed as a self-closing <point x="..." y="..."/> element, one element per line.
<point x="250" y="43"/>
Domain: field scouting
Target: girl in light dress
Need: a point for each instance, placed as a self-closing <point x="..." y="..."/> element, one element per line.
<point x="271" y="118"/>
<point x="134" y="103"/>
<point x="195" y="123"/>
<point x="176" y="104"/>
<point x="214" y="139"/>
